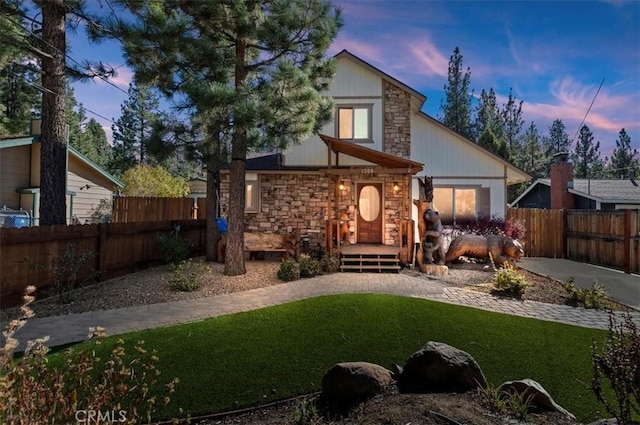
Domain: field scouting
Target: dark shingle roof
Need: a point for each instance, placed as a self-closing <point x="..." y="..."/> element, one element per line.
<point x="605" y="190"/>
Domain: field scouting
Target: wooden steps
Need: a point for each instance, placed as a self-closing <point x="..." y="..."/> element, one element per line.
<point x="369" y="262"/>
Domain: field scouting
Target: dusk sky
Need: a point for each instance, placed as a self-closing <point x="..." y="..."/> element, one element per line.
<point x="553" y="54"/>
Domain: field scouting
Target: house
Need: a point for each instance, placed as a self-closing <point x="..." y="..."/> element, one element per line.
<point x="363" y="168"/>
<point x="89" y="187"/>
<point x="562" y="191"/>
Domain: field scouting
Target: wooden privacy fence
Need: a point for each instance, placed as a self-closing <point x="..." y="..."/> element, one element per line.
<point x="116" y="248"/>
<point x="607" y="238"/>
<point x="130" y="209"/>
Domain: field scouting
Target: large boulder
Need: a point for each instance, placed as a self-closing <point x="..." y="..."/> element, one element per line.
<point x="439" y="367"/>
<point x="351" y="382"/>
<point x="540" y="398"/>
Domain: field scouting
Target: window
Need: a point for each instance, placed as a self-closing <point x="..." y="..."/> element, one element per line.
<point x="252" y="193"/>
<point x="354" y="122"/>
<point x="459" y="204"/>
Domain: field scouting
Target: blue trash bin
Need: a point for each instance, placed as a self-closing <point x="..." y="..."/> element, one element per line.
<point x="222" y="225"/>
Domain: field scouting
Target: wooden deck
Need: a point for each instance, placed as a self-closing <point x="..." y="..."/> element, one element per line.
<point x="369" y="258"/>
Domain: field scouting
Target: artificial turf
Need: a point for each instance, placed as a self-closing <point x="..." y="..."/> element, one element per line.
<point x="278" y="352"/>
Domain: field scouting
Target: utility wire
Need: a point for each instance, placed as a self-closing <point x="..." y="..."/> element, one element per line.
<point x="588" y="110"/>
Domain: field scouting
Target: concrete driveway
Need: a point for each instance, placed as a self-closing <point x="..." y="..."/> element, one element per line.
<point x="624" y="288"/>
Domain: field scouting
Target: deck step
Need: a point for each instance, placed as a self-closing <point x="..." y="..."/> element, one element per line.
<point x="361" y="262"/>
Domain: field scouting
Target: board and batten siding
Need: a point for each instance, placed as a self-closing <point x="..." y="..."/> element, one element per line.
<point x="353" y="85"/>
<point x="14" y="163"/>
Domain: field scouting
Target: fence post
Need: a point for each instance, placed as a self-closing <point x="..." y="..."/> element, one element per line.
<point x="626" y="262"/>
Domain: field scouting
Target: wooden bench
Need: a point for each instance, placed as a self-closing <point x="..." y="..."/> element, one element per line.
<point x="265" y="242"/>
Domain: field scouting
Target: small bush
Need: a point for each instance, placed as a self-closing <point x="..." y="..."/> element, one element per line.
<point x="187" y="276"/>
<point x="486" y="225"/>
<point x="330" y="263"/>
<point x="32" y="391"/>
<point x="508" y="280"/>
<point x="307" y="413"/>
<point x="173" y="249"/>
<point x="503" y="402"/>
<point x="618" y="364"/>
<point x="309" y="267"/>
<point x="288" y="271"/>
<point x="595" y="297"/>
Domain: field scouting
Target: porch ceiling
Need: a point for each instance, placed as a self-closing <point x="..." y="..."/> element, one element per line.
<point x="383" y="159"/>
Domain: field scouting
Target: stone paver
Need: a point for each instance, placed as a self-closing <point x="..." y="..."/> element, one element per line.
<point x="74" y="327"/>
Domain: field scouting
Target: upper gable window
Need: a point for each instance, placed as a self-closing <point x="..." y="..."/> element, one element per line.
<point x="354" y="122"/>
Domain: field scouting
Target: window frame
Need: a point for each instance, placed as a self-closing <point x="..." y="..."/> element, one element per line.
<point x="252" y="179"/>
<point x="454" y="214"/>
<point x="353" y="106"/>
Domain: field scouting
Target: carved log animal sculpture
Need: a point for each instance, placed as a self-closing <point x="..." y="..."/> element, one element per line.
<point x="432" y="239"/>
<point x="266" y="242"/>
<point x="502" y="248"/>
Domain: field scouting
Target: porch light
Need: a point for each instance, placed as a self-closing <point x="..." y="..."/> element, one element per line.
<point x="341" y="186"/>
<point x="396" y="187"/>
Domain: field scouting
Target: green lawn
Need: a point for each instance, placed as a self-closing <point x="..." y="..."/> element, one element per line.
<point x="278" y="352"/>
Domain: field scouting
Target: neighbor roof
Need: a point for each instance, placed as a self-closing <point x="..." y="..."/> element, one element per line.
<point x="606" y="191"/>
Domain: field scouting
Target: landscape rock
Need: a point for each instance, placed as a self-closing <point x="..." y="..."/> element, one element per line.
<point x="347" y="383"/>
<point x="540" y="398"/>
<point x="439" y="367"/>
<point x="435" y="269"/>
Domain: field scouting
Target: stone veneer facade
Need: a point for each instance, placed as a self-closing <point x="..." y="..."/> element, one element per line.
<point x="299" y="201"/>
<point x="397" y="121"/>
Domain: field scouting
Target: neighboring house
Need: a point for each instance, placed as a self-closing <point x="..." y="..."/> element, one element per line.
<point x="562" y="191"/>
<point x="362" y="168"/>
<point x="89" y="188"/>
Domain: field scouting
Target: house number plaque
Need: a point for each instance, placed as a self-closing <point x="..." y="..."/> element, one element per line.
<point x="367" y="172"/>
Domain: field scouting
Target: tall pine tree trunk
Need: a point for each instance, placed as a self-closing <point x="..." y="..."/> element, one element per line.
<point x="234" y="256"/>
<point x="53" y="160"/>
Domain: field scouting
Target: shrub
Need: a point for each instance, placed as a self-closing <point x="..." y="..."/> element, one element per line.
<point x="330" y="263"/>
<point x="595" y="297"/>
<point x="486" y="225"/>
<point x="288" y="271"/>
<point x="508" y="280"/>
<point x="504" y="402"/>
<point x="618" y="364"/>
<point x="186" y="276"/>
<point x="309" y="267"/>
<point x="32" y="391"/>
<point x="173" y="249"/>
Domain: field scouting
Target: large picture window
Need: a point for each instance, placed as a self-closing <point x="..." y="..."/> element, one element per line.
<point x="354" y="122"/>
<point x="456" y="204"/>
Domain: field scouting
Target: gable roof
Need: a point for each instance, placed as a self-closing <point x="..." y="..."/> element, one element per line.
<point x="514" y="174"/>
<point x="347" y="54"/>
<point x="602" y="190"/>
<point x="383" y="159"/>
<point x="11" y="142"/>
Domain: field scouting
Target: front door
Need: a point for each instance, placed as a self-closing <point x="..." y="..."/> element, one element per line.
<point x="370" y="213"/>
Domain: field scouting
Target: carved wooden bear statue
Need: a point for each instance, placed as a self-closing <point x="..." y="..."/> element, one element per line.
<point x="432" y="240"/>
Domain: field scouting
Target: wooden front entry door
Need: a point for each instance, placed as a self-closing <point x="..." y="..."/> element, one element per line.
<point x="370" y="213"/>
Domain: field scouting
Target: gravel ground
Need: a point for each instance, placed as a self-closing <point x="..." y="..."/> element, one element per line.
<point x="151" y="286"/>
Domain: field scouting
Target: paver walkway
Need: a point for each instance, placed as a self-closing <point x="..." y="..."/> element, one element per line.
<point x="74" y="327"/>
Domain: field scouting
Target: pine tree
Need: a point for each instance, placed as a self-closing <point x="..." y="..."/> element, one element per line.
<point x="558" y="139"/>
<point x="513" y="122"/>
<point x="586" y="156"/>
<point x="457" y="109"/>
<point x="625" y="161"/>
<point x="95" y="135"/>
<point x="20" y="100"/>
<point x="132" y="130"/>
<point x="258" y="67"/>
<point x="488" y="116"/>
<point x="532" y="159"/>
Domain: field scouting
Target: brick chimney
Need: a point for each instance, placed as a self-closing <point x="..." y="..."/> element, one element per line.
<point x="561" y="182"/>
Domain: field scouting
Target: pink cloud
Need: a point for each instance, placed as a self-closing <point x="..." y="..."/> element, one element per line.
<point x="610" y="112"/>
<point x="432" y="60"/>
<point x="362" y="49"/>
